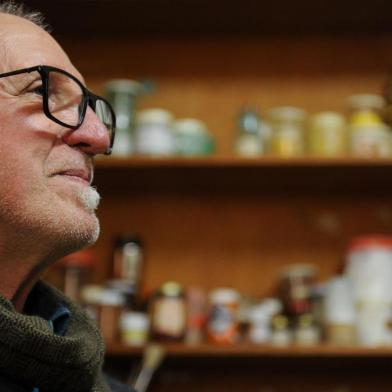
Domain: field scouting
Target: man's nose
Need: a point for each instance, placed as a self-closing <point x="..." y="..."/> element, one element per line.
<point x="92" y="137"/>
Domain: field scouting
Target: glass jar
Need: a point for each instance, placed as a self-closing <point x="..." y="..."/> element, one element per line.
<point x="134" y="328"/>
<point x="369" y="136"/>
<point x="327" y="134"/>
<point x="123" y="94"/>
<point x="192" y="138"/>
<point x="154" y="132"/>
<point x="307" y="333"/>
<point x="295" y="288"/>
<point x="287" y="124"/>
<point x="222" y="324"/>
<point x="281" y="336"/>
<point x="168" y="313"/>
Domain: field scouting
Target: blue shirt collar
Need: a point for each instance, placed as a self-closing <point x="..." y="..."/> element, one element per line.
<point x="41" y="303"/>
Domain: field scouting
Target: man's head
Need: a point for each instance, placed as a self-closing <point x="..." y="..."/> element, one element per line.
<point x="46" y="169"/>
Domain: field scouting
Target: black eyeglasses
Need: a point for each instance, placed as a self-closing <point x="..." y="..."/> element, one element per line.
<point x="65" y="99"/>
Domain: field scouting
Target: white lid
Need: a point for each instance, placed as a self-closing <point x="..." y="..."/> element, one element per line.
<point x="156" y="116"/>
<point x="190" y="126"/>
<point x="366" y="101"/>
<point x="224" y="296"/>
<point x="328" y="120"/>
<point x="134" y="320"/>
<point x="289" y="113"/>
<point x="112" y="297"/>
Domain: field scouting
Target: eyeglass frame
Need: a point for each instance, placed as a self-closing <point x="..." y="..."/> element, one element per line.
<point x="88" y="97"/>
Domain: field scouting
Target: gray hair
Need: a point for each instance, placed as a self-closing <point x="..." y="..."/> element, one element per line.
<point x="18" y="9"/>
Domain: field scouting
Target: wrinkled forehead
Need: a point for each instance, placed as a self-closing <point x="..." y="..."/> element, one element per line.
<point x="23" y="44"/>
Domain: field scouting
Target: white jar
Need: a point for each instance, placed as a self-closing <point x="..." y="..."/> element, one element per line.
<point x="134" y="328"/>
<point x="154" y="134"/>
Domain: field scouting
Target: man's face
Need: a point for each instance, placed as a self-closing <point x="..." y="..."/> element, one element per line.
<point x="45" y="169"/>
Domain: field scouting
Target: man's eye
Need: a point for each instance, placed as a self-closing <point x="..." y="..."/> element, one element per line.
<point x="39" y="90"/>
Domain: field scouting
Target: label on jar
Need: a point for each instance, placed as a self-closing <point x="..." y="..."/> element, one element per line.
<point x="169" y="317"/>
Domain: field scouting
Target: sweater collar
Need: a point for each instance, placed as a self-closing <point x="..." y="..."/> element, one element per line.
<point x="32" y="353"/>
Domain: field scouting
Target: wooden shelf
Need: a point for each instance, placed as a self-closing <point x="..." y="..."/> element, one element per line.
<point x="217" y="174"/>
<point x="251" y="350"/>
<point x="218" y="161"/>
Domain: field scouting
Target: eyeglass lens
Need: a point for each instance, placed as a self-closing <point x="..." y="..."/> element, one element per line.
<point x="66" y="102"/>
<point x="65" y="98"/>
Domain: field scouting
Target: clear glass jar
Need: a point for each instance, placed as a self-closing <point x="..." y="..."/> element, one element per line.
<point x="248" y="140"/>
<point x="154" y="132"/>
<point x="168" y="313"/>
<point x="288" y="125"/>
<point x="327" y="134"/>
<point x="123" y="94"/>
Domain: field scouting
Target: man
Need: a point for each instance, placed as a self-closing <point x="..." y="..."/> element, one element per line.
<point x="51" y="127"/>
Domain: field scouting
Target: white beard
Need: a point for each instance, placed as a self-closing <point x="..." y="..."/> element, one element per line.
<point x="90" y="198"/>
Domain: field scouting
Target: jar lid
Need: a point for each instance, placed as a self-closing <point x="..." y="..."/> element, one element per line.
<point x="298" y="270"/>
<point x="155" y="116"/>
<point x="328" y="120"/>
<point x="224" y="296"/>
<point x="365" y="101"/>
<point x="287" y="113"/>
<point x="123" y="86"/>
<point x="368" y="241"/>
<point x="190" y="126"/>
<point x="134" y="320"/>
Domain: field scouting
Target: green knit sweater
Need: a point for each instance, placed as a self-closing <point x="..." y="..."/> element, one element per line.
<point x="33" y="356"/>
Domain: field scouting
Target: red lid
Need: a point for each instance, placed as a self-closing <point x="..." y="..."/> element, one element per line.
<point x="84" y="259"/>
<point x="373" y="240"/>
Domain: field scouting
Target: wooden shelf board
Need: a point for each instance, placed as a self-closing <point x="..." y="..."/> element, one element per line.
<point x="252" y="350"/>
<point x="232" y="161"/>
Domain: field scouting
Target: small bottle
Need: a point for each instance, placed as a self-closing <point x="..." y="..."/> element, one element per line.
<point x="134" y="328"/>
<point x="128" y="261"/>
<point x="196" y="315"/>
<point x="306" y="332"/>
<point x="288" y="131"/>
<point x="223" y="325"/>
<point x="168" y="313"/>
<point x="280" y="335"/>
<point x="248" y="142"/>
<point x="327" y="135"/>
<point x="123" y="94"/>
<point x="369" y="136"/>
